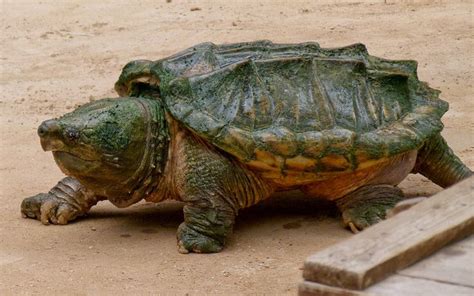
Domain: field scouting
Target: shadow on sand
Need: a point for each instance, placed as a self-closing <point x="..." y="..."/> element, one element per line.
<point x="285" y="205"/>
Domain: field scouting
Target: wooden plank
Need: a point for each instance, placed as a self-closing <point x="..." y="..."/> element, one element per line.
<point x="307" y="288"/>
<point x="396" y="243"/>
<point x="454" y="264"/>
<point x="439" y="274"/>
<point x="397" y="285"/>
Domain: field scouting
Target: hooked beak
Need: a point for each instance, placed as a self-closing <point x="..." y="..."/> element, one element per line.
<point x="50" y="135"/>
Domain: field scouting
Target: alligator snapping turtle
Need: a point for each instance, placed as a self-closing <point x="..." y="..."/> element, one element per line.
<point x="222" y="127"/>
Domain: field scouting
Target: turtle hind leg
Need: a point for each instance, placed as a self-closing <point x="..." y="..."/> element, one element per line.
<point x="437" y="162"/>
<point x="368" y="205"/>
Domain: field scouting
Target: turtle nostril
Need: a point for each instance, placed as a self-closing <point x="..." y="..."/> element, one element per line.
<point x="42" y="130"/>
<point x="47" y="127"/>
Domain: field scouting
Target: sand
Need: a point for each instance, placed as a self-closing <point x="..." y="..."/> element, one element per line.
<point x="58" y="54"/>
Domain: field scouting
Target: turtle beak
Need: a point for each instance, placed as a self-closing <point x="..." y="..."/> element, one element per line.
<point x="50" y="135"/>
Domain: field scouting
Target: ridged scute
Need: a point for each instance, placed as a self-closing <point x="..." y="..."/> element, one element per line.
<point x="295" y="107"/>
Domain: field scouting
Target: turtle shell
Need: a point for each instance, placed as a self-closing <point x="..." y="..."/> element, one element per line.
<point x="295" y="107"/>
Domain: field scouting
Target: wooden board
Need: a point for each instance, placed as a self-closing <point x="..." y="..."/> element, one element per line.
<point x="396" y="243"/>
<point x="450" y="271"/>
<point x="395" y="285"/>
<point x="307" y="288"/>
<point x="453" y="264"/>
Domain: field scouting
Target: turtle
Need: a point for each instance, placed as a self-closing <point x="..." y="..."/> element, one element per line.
<point x="223" y="127"/>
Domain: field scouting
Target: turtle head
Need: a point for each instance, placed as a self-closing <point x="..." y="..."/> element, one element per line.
<point x="112" y="146"/>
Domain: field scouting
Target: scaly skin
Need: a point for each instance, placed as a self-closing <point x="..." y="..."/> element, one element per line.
<point x="437" y="162"/>
<point x="368" y="205"/>
<point x="63" y="203"/>
<point x="214" y="188"/>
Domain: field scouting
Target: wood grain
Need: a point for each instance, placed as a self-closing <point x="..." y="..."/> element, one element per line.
<point x="453" y="264"/>
<point x="397" y="285"/>
<point x="397" y="242"/>
<point x="307" y="288"/>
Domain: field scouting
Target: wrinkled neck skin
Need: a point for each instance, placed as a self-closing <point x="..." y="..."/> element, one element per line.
<point x="160" y="185"/>
<point x="166" y="185"/>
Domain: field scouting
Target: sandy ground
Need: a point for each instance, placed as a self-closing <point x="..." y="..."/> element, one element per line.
<point x="57" y="54"/>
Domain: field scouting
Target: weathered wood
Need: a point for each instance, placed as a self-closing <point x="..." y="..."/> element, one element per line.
<point x="404" y="205"/>
<point x="396" y="243"/>
<point x="454" y="264"/>
<point x="397" y="285"/>
<point x="450" y="271"/>
<point x="307" y="288"/>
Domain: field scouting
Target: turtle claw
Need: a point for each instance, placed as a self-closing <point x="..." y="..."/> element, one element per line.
<point x="181" y="248"/>
<point x="49" y="209"/>
<point x="368" y="205"/>
<point x="358" y="219"/>
<point x="353" y="228"/>
<point x="31" y="206"/>
<point x="190" y="240"/>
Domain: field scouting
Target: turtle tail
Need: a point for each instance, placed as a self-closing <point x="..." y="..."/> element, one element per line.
<point x="437" y="162"/>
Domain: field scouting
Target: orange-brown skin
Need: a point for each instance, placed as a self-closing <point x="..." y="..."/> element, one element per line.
<point x="329" y="186"/>
<point x="174" y="173"/>
<point x="386" y="171"/>
<point x="215" y="186"/>
<point x="167" y="183"/>
<point x="254" y="184"/>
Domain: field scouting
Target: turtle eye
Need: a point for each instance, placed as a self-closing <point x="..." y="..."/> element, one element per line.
<point x="71" y="134"/>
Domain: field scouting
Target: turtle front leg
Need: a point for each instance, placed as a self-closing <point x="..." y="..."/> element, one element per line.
<point x="210" y="212"/>
<point x="214" y="188"/>
<point x="63" y="203"/>
<point x="206" y="227"/>
<point x="368" y="205"/>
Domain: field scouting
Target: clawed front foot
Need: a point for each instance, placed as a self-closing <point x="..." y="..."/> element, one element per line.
<point x="190" y="240"/>
<point x="204" y="229"/>
<point x="63" y="203"/>
<point x="362" y="216"/>
<point x="368" y="205"/>
<point x="49" y="209"/>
